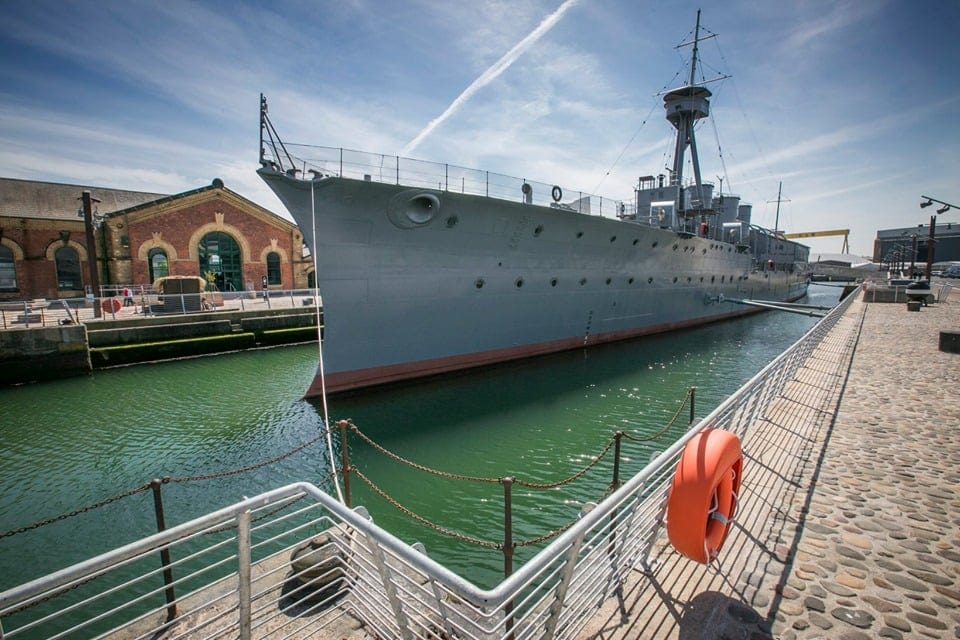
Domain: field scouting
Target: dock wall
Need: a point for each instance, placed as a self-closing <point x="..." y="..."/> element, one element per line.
<point x="44" y="353"/>
<point x="47" y="353"/>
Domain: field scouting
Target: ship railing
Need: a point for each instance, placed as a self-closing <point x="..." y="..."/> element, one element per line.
<point x="231" y="573"/>
<point x="361" y="165"/>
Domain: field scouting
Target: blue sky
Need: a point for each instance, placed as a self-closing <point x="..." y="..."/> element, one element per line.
<point x="852" y="105"/>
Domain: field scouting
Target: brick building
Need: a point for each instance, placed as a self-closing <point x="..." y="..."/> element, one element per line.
<point x="210" y="232"/>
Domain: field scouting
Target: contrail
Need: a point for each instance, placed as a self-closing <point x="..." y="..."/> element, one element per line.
<point x="491" y="74"/>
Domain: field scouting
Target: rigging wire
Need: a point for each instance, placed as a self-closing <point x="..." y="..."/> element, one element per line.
<point x="635" y="134"/>
<point x="743" y="112"/>
<point x="323" y="378"/>
<point x="606" y="175"/>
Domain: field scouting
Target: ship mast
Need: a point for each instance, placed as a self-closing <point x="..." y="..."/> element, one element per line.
<point x="684" y="106"/>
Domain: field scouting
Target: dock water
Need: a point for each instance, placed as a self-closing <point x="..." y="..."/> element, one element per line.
<point x="849" y="524"/>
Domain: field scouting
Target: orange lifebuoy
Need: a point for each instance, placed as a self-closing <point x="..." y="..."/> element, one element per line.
<point x="110" y="305"/>
<point x="703" y="496"/>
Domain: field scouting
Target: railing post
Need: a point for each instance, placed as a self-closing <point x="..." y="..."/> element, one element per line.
<point x="244" y="590"/>
<point x="617" y="438"/>
<point x="171" y="596"/>
<point x="345" y="461"/>
<point x="507" y="526"/>
<point x="693" y="403"/>
<point x="566" y="577"/>
<point x="508" y="545"/>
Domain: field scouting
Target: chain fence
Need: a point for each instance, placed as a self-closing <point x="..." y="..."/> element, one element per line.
<point x="344" y="426"/>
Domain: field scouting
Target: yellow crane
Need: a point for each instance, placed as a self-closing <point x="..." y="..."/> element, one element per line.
<point x="819" y="234"/>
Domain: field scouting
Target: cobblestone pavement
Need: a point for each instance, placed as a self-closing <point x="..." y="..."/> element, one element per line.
<point x="850" y="514"/>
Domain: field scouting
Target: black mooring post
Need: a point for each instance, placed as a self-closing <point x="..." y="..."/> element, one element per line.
<point x="693" y="402"/>
<point x="617" y="437"/>
<point x="508" y="543"/>
<point x="155" y="484"/>
<point x="345" y="461"/>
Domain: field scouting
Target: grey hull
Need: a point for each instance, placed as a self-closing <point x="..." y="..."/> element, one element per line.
<point x="417" y="281"/>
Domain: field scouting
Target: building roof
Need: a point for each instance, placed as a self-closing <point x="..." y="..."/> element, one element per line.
<point x="35" y="199"/>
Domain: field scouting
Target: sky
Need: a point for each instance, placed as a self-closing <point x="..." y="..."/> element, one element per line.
<point x="850" y="105"/>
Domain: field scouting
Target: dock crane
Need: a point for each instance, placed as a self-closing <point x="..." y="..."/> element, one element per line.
<point x="819" y="234"/>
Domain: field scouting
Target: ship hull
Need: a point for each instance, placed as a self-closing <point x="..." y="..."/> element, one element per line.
<point x="418" y="282"/>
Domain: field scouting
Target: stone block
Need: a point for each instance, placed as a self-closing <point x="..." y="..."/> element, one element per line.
<point x="950" y="341"/>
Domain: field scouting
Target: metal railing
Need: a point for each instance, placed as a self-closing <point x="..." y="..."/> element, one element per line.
<point x="146" y="303"/>
<point x="295" y="562"/>
<point x="362" y="165"/>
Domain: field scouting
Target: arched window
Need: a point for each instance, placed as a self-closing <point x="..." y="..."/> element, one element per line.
<point x="68" y="269"/>
<point x="158" y="264"/>
<point x="220" y="255"/>
<point x="273" y="268"/>
<point x="8" y="270"/>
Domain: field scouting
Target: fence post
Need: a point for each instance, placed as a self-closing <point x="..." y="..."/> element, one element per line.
<point x="155" y="484"/>
<point x="244" y="590"/>
<point x="617" y="437"/>
<point x="693" y="403"/>
<point x="345" y="461"/>
<point x="508" y="544"/>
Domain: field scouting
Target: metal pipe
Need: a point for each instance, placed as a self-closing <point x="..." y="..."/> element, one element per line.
<point x="244" y="590"/>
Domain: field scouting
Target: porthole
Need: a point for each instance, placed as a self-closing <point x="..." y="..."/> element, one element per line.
<point x="452" y="222"/>
<point x="608" y="281"/>
<point x="613" y="239"/>
<point x="701" y="278"/>
<point x="676" y="246"/>
<point x="630" y="281"/>
<point x="519" y="282"/>
<point x="655" y="243"/>
<point x="583" y="281"/>
<point x="635" y="241"/>
<point x="689" y="279"/>
<point x="674" y="279"/>
<point x="538" y="230"/>
<point x="713" y="279"/>
<point x="723" y="279"/>
<point x="553" y="282"/>
<point x="579" y="234"/>
<point x="479" y="283"/>
<point x="704" y="250"/>
<point x="649" y="280"/>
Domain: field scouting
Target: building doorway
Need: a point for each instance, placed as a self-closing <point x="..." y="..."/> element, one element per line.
<point x="220" y="261"/>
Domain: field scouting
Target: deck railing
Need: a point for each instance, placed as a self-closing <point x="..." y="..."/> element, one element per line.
<point x="230" y="574"/>
<point x="376" y="167"/>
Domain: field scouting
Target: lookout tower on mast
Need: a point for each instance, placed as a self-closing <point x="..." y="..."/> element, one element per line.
<point x="684" y="106"/>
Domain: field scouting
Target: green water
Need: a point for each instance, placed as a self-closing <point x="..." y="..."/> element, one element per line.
<point x="68" y="444"/>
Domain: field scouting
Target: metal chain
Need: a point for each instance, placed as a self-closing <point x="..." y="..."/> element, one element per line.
<point x="662" y="431"/>
<point x="420" y="467"/>
<point x="233" y="472"/>
<point x="576" y="476"/>
<point x="447" y="532"/>
<point x="76" y="512"/>
<point x="544" y="537"/>
<point x="165" y="480"/>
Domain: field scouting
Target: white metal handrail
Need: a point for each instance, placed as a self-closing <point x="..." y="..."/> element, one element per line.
<point x="241" y="583"/>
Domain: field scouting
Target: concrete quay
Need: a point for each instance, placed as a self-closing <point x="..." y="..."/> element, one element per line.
<point x="849" y="521"/>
